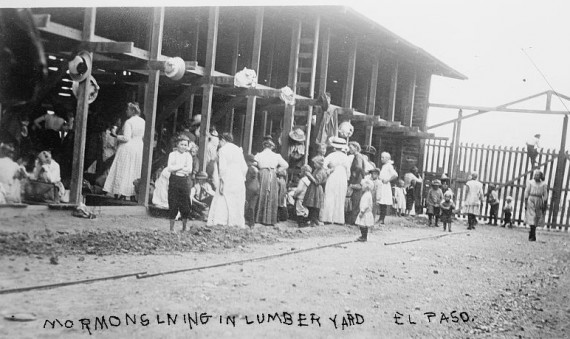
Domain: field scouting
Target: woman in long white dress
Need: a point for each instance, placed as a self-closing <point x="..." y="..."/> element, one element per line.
<point x="338" y="165"/>
<point x="473" y="200"/>
<point x="127" y="165"/>
<point x="229" y="201"/>
<point x="384" y="192"/>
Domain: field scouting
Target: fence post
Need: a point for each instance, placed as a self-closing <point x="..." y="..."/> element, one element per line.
<point x="559" y="177"/>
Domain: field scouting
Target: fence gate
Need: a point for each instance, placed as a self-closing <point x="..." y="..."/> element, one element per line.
<point x="509" y="169"/>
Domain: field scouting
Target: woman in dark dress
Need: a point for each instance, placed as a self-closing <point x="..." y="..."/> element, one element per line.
<point x="356" y="175"/>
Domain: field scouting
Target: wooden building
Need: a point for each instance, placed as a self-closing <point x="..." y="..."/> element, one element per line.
<point x="377" y="80"/>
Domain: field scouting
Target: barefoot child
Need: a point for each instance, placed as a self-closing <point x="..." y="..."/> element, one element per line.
<point x="315" y="195"/>
<point x="301" y="211"/>
<point x="365" y="218"/>
<point x="180" y="167"/>
<point x="508" y="212"/>
<point x="434" y="199"/>
<point x="447" y="207"/>
<point x="374" y="176"/>
<point x="400" y="198"/>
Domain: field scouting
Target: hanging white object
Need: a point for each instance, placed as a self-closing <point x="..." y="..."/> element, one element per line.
<point x="92" y="89"/>
<point x="345" y="129"/>
<point x="246" y="78"/>
<point x="174" y="68"/>
<point x="287" y="95"/>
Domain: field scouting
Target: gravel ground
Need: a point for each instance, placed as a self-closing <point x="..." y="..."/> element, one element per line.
<point x="502" y="285"/>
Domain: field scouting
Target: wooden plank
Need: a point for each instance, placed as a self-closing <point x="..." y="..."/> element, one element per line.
<point x="150" y="100"/>
<point x="371" y="109"/>
<point x="270" y="58"/>
<point x="292" y="82"/>
<point x="393" y="92"/>
<point x="235" y="59"/>
<point x="208" y="90"/>
<point x="82" y="110"/>
<point x="484" y="109"/>
<point x="251" y="100"/>
<point x="196" y="41"/>
<point x="520" y="192"/>
<point x="309" y="125"/>
<point x="107" y="46"/>
<point x="480" y="111"/>
<point x="41" y="20"/>
<point x="322" y="87"/>
<point x="222" y="80"/>
<point x="411" y="96"/>
<point x="566" y="190"/>
<point x="350" y="72"/>
<point x="560" y="169"/>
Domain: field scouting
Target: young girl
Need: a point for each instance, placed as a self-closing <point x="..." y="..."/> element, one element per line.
<point x="374" y="176"/>
<point x="365" y="218"/>
<point x="180" y="167"/>
<point x="434" y="199"/>
<point x="447" y="207"/>
<point x="298" y="194"/>
<point x="400" y="198"/>
<point x="493" y="202"/>
<point x="507" y="212"/>
<point x="315" y="195"/>
<point x="282" y="213"/>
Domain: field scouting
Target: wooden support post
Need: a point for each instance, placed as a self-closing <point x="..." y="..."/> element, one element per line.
<point x="559" y="178"/>
<point x="372" y="99"/>
<point x="351" y="68"/>
<point x="292" y="82"/>
<point x="312" y="86"/>
<point x="196" y="41"/>
<point x="150" y="100"/>
<point x="175" y="122"/>
<point x="235" y="58"/>
<point x="208" y="91"/>
<point x="251" y="100"/>
<point x="393" y="92"/>
<point x="548" y="100"/>
<point x="455" y="150"/>
<point x="81" y="117"/>
<point x="411" y="98"/>
<point x="189" y="108"/>
<point x="264" y="123"/>
<point x="324" y="60"/>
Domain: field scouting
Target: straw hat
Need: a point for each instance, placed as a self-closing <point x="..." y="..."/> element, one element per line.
<point x="436" y="182"/>
<point x="297" y="134"/>
<point x="374" y="170"/>
<point x="80" y="66"/>
<point x="338" y="143"/>
<point x="196" y="120"/>
<point x="370" y="150"/>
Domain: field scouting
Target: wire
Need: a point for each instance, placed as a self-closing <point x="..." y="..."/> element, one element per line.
<point x="545" y="79"/>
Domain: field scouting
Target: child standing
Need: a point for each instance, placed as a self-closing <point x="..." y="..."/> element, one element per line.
<point x="180" y="167"/>
<point x="282" y="213"/>
<point x="447" y="207"/>
<point x="374" y="176"/>
<point x="315" y="196"/>
<point x="201" y="195"/>
<point x="508" y="212"/>
<point x="251" y="190"/>
<point x="493" y="201"/>
<point x="434" y="199"/>
<point x="400" y="198"/>
<point x="301" y="211"/>
<point x="365" y="218"/>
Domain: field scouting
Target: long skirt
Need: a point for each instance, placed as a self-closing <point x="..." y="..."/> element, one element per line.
<point x="534" y="211"/>
<point x="126" y="168"/>
<point x="335" y="195"/>
<point x="410" y="198"/>
<point x="268" y="197"/>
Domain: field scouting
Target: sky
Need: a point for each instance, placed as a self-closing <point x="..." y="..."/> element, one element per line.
<point x="486" y="40"/>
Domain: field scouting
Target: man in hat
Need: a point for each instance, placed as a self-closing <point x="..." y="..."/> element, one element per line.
<point x="532" y="145"/>
<point x="201" y="195"/>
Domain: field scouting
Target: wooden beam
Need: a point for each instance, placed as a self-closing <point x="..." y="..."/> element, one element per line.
<point x="123" y="65"/>
<point x="324" y="60"/>
<point x="393" y="93"/>
<point x="481" y="111"/>
<point x="251" y="100"/>
<point x="107" y="46"/>
<point x="41" y="20"/>
<point x="82" y="111"/>
<point x="150" y="100"/>
<point x="411" y="96"/>
<point x="208" y="90"/>
<point x="372" y="99"/>
<point x="292" y="83"/>
<point x="559" y="176"/>
<point x="309" y="125"/>
<point x="351" y="68"/>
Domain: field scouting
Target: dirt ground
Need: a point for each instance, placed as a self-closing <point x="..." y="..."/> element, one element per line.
<point x="486" y="283"/>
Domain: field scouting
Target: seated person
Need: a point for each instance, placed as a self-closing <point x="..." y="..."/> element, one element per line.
<point x="47" y="170"/>
<point x="160" y="196"/>
<point x="201" y="195"/>
<point x="10" y="175"/>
